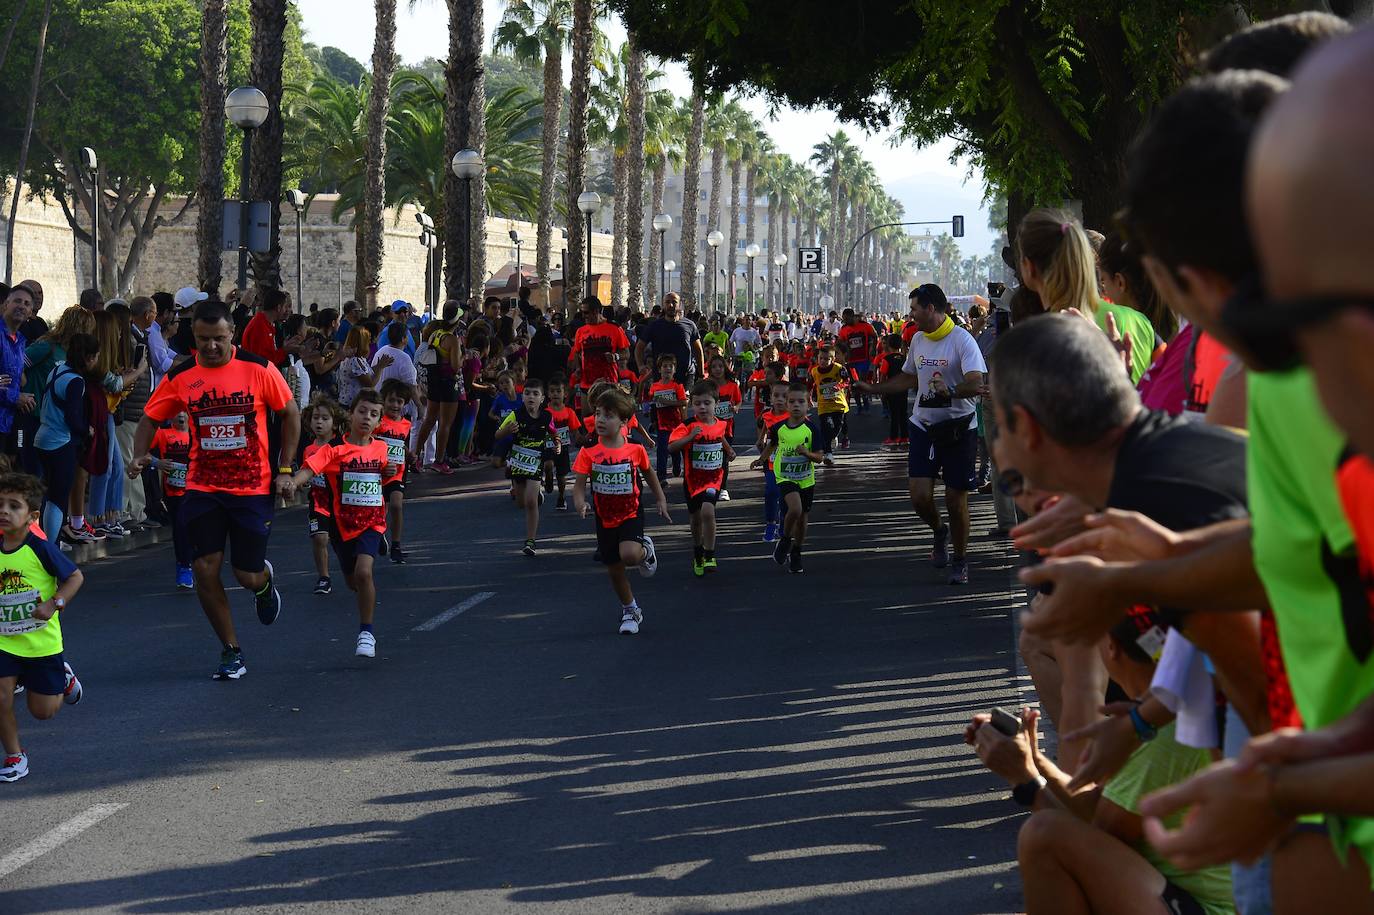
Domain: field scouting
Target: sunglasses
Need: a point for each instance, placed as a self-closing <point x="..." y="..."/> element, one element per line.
<point x="1265" y="328"/>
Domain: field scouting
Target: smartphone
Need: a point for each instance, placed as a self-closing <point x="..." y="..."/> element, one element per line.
<point x="1001" y="322"/>
<point x="1006" y="722"/>
<point x="140" y="351"/>
<point x="996" y="290"/>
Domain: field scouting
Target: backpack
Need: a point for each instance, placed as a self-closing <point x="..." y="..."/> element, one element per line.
<point x="428" y="353"/>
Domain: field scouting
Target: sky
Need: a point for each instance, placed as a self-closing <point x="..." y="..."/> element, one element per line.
<point x="927" y="184"/>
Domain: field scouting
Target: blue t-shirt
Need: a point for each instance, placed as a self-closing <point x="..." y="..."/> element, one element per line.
<point x="503" y="406"/>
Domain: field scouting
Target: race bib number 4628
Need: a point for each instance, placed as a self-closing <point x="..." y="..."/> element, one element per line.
<point x="222" y="433"/>
<point x="363" y="490"/>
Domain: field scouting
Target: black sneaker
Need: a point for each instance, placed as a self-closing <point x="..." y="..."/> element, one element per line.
<point x="781" y="550"/>
<point x="398" y="555"/>
<point x="939" y="552"/>
<point x="268" y="601"/>
<point x="795" y="564"/>
<point x="323" y="586"/>
<point x="385" y="546"/>
<point x="958" y="571"/>
<point x="231" y="666"/>
<point x="529" y="548"/>
<point x="562" y="504"/>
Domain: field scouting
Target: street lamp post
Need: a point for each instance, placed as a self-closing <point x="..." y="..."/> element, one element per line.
<point x="519" y="280"/>
<point x="427" y="239"/>
<point x="714" y="238"/>
<point x="589" y="202"/>
<point x="780" y="261"/>
<point x="564" y="255"/>
<point x="834" y="290"/>
<point x="296" y="198"/>
<point x="751" y="252"/>
<point x="91" y="164"/>
<point x="662" y="223"/>
<point x="246" y="108"/>
<point x="668" y="268"/>
<point x="467" y="164"/>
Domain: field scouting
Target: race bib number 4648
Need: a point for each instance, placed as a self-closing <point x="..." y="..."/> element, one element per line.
<point x="613" y="479"/>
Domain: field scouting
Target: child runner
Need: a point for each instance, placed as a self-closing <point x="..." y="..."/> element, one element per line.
<point x="36" y="582"/>
<point x="830" y="384"/>
<point x="322" y="421"/>
<point x="669" y="397"/>
<point x="355" y="466"/>
<point x="730" y="397"/>
<point x="172" y="449"/>
<point x="794" y="442"/>
<point x="611" y="464"/>
<point x="504" y="404"/>
<point x="394" y="429"/>
<point x="567" y="427"/>
<point x="529" y="430"/>
<point x="772" y="498"/>
<point x="631" y="428"/>
<point x="889" y="365"/>
<point x="708" y="454"/>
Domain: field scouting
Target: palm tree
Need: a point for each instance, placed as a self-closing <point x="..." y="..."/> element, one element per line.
<point x="378" y="109"/>
<point x="691" y="182"/>
<point x="832" y="155"/>
<point x="742" y="132"/>
<point x="464" y="85"/>
<point x="265" y="170"/>
<point x="214" y="37"/>
<point x="717" y="136"/>
<point x="757" y="148"/>
<point x="537" y="31"/>
<point x="662" y="150"/>
<point x="635" y="86"/>
<point x="770" y="169"/>
<point x="583" y="34"/>
<point x="945" y="252"/>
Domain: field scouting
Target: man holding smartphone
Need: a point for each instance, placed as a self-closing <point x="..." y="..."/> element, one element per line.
<point x="142" y="315"/>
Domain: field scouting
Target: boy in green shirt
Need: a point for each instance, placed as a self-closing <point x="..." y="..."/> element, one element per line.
<point x="794" y="441"/>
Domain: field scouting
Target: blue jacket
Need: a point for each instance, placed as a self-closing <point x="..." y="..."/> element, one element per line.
<point x="12" y="364"/>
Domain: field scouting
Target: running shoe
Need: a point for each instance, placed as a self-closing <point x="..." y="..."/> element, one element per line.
<point x="71" y="693"/>
<point x="529" y="548"/>
<point x="113" y="530"/>
<point x="698" y="566"/>
<point x="324" y="585"/>
<point x="268" y="601"/>
<point x="844" y="444"/>
<point x="13" y="768"/>
<point x="781" y="550"/>
<point x="19" y="690"/>
<point x="709" y="564"/>
<point x="83" y="534"/>
<point x="630" y="618"/>
<point x="231" y="666"/>
<point x="185" y="580"/>
<point x="939" y="552"/>
<point x="725" y="495"/>
<point x="562" y="504"/>
<point x="384" y="547"/>
<point x="398" y="555"/>
<point x="148" y="524"/>
<point x="649" y="564"/>
<point x="770" y="533"/>
<point x="958" y="572"/>
<point x="829" y="461"/>
<point x="596" y="555"/>
<point x="795" y="563"/>
<point x="889" y="441"/>
<point x="367" y="645"/>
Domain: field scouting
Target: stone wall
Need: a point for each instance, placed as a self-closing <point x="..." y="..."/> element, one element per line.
<point x="46" y="249"/>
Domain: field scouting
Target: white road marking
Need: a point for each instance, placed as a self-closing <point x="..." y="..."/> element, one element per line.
<point x="468" y="603"/>
<point x="55" y="837"/>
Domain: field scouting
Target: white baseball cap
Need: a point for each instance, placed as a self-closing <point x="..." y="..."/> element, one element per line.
<point x="187" y="296"/>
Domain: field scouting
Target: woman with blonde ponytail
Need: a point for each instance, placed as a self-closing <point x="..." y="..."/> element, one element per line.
<point x="1058" y="263"/>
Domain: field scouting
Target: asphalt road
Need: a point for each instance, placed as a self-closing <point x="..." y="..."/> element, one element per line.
<point x="768" y="742"/>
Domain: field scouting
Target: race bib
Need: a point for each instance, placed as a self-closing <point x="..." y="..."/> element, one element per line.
<point x="613" y="479"/>
<point x="830" y="390"/>
<point x="708" y="456"/>
<point x="795" y="467"/>
<point x="16" y="613"/>
<point x="565" y="436"/>
<point x="395" y="450"/>
<point x="360" y="489"/>
<point x="223" y="433"/>
<point x="176" y="474"/>
<point x="318" y="480"/>
<point x="666" y="398"/>
<point x="725" y="409"/>
<point x="524" y="460"/>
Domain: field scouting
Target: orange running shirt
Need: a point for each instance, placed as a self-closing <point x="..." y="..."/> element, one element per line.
<point x="173" y="450"/>
<point x="703" y="460"/>
<point x="613" y="474"/>
<point x="396" y="434"/>
<point x="228" y="406"/>
<point x="593" y="346"/>
<point x="665" y="395"/>
<point x="565" y="420"/>
<point x="319" y="486"/>
<point x="355" y="482"/>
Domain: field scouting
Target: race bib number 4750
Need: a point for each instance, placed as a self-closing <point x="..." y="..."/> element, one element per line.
<point x="709" y="456"/>
<point x="222" y="433"/>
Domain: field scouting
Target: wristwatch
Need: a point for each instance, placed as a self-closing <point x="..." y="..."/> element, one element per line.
<point x="286" y="470"/>
<point x="1024" y="793"/>
<point x="1143" y="729"/>
<point x="60" y="603"/>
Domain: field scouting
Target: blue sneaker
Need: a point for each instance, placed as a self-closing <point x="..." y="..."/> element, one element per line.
<point x="185" y="581"/>
<point x="770" y="533"/>
<point x="267" y="601"/>
<point x="231" y="666"/>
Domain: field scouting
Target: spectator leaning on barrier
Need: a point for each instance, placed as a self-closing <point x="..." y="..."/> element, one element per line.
<point x="13" y="402"/>
<point x="142" y="311"/>
<point x="35" y="326"/>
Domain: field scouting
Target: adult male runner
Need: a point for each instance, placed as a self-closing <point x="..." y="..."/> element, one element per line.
<point x="228" y="394"/>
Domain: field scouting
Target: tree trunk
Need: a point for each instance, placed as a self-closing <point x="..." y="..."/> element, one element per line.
<point x="582" y="33"/>
<point x="462" y="82"/>
<point x="732" y="251"/>
<point x="28" y="135"/>
<point x="772" y="249"/>
<point x="359" y="260"/>
<point x="653" y="295"/>
<point x="634" y="177"/>
<point x="784" y="209"/>
<point x="9" y="32"/>
<point x="691" y="183"/>
<point x="264" y="174"/>
<point x="713" y="220"/>
<point x="477" y="137"/>
<point x="553" y="101"/>
<point x="619" y="218"/>
<point x="210" y="184"/>
<point x="378" y="109"/>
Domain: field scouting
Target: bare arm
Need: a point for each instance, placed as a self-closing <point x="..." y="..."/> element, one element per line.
<point x="896" y="384"/>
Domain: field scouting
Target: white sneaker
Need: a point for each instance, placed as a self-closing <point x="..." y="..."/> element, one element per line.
<point x="13" y="768"/>
<point x="367" y="645"/>
<point x="649" y="564"/>
<point x="630" y="619"/>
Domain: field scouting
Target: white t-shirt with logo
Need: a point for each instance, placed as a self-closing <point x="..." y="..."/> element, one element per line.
<point x="941" y="365"/>
<point x="742" y="335"/>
